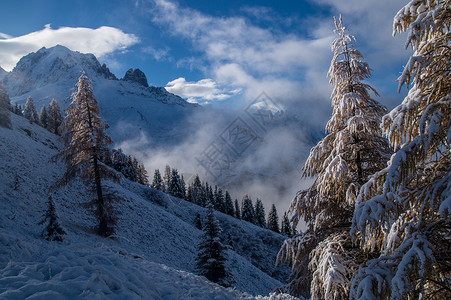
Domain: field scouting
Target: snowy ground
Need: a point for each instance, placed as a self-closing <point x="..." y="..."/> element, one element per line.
<point x="152" y="255"/>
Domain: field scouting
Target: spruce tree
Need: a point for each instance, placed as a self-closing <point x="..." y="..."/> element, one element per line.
<point x="404" y="210"/>
<point x="273" y="220"/>
<point x="30" y="111"/>
<point x="175" y="185"/>
<point x="18" y="109"/>
<point x="228" y="205"/>
<point x="198" y="222"/>
<point x="55" y="118"/>
<point x="85" y="142"/>
<point x="211" y="258"/>
<point x="260" y="216"/>
<point x="247" y="209"/>
<point x="157" y="182"/>
<point x="286" y="227"/>
<point x="5" y="105"/>
<point x="218" y="200"/>
<point x="167" y="177"/>
<point x="237" y="210"/>
<point x="43" y="117"/>
<point x="53" y="230"/>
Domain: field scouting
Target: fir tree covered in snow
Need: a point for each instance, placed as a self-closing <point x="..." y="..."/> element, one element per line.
<point x="54" y="117"/>
<point x="53" y="230"/>
<point x="30" y="111"/>
<point x="43" y="117"/>
<point x="5" y="104"/>
<point x="247" y="209"/>
<point x="286" y="229"/>
<point x="404" y="210"/>
<point x="157" y="182"/>
<point x="228" y="205"/>
<point x="85" y="143"/>
<point x="167" y="177"/>
<point x="218" y="200"/>
<point x="342" y="162"/>
<point x="260" y="216"/>
<point x="212" y="253"/>
<point x="273" y="220"/>
<point x="175" y="185"/>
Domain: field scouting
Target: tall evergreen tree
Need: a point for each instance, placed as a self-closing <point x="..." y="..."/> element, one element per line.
<point x="167" y="177"/>
<point x="53" y="231"/>
<point x="218" y="200"/>
<point x="237" y="210"/>
<point x="85" y="142"/>
<point x="247" y="209"/>
<point x="5" y="104"/>
<point x="17" y="109"/>
<point x="198" y="222"/>
<point x="30" y="111"/>
<point x="286" y="227"/>
<point x="228" y="205"/>
<point x="404" y="210"/>
<point x="260" y="216"/>
<point x="55" y="118"/>
<point x="273" y="219"/>
<point x="198" y="195"/>
<point x="175" y="185"/>
<point x="183" y="186"/>
<point x="157" y="182"/>
<point x="212" y="253"/>
<point x="43" y="117"/>
<point x="342" y="162"/>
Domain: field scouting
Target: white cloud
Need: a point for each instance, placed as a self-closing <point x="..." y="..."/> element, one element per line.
<point x="202" y="91"/>
<point x="157" y="54"/>
<point x="100" y="41"/>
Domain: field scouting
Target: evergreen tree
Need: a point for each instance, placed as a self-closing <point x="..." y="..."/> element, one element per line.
<point x="218" y="200"/>
<point x="43" y="117"/>
<point x="5" y="105"/>
<point x="228" y="205"/>
<point x="53" y="230"/>
<point x="54" y="118"/>
<point x="353" y="150"/>
<point x="85" y="142"/>
<point x="273" y="220"/>
<point x="30" y="111"/>
<point x="260" y="216"/>
<point x="157" y="182"/>
<point x="237" y="210"/>
<point x="404" y="210"/>
<point x="247" y="209"/>
<point x="212" y="256"/>
<point x="197" y="192"/>
<point x="167" y="177"/>
<point x="18" y="109"/>
<point x="183" y="186"/>
<point x="198" y="222"/>
<point x="286" y="227"/>
<point x="175" y="185"/>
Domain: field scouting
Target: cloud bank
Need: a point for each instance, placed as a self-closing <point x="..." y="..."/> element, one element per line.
<point x="101" y="41"/>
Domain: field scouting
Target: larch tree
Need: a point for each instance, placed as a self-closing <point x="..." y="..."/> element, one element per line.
<point x="54" y="117"/>
<point x="5" y="104"/>
<point x="342" y="162"/>
<point x="30" y="111"/>
<point x="404" y="211"/>
<point x="85" y="142"/>
<point x="273" y="220"/>
<point x="157" y="182"/>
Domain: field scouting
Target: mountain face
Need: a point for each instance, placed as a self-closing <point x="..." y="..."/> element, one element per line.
<point x="127" y="105"/>
<point x="2" y="73"/>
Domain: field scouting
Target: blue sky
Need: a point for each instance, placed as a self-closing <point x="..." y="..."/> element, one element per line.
<point x="214" y="51"/>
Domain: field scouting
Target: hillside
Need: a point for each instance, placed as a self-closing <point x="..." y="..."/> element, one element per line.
<point x="151" y="256"/>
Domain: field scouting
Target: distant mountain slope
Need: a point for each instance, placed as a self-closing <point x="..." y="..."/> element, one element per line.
<point x="156" y="236"/>
<point x="2" y="73"/>
<point x="127" y="105"/>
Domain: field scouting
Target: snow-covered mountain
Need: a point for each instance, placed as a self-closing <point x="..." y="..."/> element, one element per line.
<point x="128" y="105"/>
<point x="151" y="257"/>
<point x="2" y="73"/>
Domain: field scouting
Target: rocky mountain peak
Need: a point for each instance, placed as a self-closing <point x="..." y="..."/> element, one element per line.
<point x="136" y="75"/>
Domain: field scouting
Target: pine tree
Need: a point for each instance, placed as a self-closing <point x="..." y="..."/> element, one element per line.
<point x="30" y="111"/>
<point x="53" y="230"/>
<point x="197" y="192"/>
<point x="260" y="216"/>
<point x="342" y="162"/>
<point x="167" y="177"/>
<point x="198" y="222"/>
<point x="404" y="210"/>
<point x="237" y="210"/>
<point x="175" y="185"/>
<point x="5" y="104"/>
<point x="273" y="220"/>
<point x="212" y="253"/>
<point x="183" y="186"/>
<point x="43" y="117"/>
<point x="85" y="142"/>
<point x="157" y="182"/>
<point x="54" y="118"/>
<point x="218" y="200"/>
<point x="286" y="227"/>
<point x="228" y="205"/>
<point x="18" y="109"/>
<point x="247" y="209"/>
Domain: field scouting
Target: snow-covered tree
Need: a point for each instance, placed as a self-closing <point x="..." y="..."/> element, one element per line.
<point x="53" y="230"/>
<point x="260" y="215"/>
<point x="218" y="200"/>
<point x="286" y="227"/>
<point x="212" y="253"/>
<point x="54" y="117"/>
<point x="228" y="205"/>
<point x="404" y="210"/>
<point x="85" y="142"/>
<point x="175" y="185"/>
<point x="18" y="110"/>
<point x="247" y="209"/>
<point x="157" y="182"/>
<point x="273" y="220"/>
<point x="5" y="105"/>
<point x="167" y="176"/>
<point x="30" y="111"/>
<point x="43" y="117"/>
<point x="353" y="150"/>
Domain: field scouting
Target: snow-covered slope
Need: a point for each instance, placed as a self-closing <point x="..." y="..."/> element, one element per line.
<point x="151" y="257"/>
<point x="127" y="105"/>
<point x="2" y="73"/>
